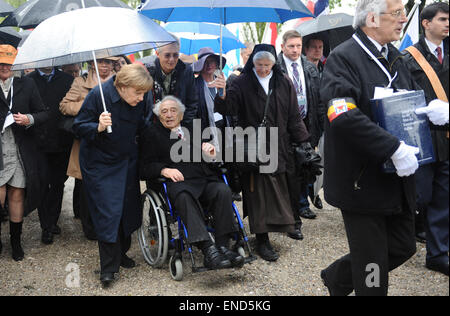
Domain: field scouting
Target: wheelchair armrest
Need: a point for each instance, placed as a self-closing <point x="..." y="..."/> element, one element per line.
<point x="161" y="180"/>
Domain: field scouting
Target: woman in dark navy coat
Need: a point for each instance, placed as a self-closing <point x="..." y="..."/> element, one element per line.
<point x="108" y="163"/>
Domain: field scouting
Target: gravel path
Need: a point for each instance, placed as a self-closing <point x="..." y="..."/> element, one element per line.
<point x="43" y="272"/>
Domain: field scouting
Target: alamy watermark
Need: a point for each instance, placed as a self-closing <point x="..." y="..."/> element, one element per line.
<point x="249" y="145"/>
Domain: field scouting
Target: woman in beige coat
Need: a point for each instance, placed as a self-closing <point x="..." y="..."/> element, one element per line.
<point x="71" y="105"/>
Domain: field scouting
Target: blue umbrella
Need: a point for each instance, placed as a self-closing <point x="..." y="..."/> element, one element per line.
<point x="225" y="11"/>
<point x="195" y="35"/>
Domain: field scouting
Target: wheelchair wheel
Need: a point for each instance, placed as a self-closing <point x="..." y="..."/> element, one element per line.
<point x="153" y="234"/>
<point x="176" y="268"/>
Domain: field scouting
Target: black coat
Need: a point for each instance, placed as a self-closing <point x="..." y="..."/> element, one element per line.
<point x="155" y="148"/>
<point x="355" y="146"/>
<point x="109" y="162"/>
<point x="50" y="137"/>
<point x="246" y="99"/>
<point x="182" y="87"/>
<point x="315" y="118"/>
<point x="26" y="100"/>
<point x="439" y="133"/>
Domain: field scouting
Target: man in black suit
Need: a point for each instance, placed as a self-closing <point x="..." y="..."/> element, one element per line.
<point x="377" y="208"/>
<point x="305" y="78"/>
<point x="55" y="144"/>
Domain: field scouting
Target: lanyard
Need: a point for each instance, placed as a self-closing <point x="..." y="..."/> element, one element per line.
<point x="377" y="61"/>
<point x="12" y="93"/>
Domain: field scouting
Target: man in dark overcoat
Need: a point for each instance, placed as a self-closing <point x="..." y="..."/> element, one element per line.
<point x="432" y="179"/>
<point x="378" y="208"/>
<point x="55" y="144"/>
<point x="173" y="77"/>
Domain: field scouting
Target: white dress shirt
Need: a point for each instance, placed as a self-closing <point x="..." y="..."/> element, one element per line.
<point x="433" y="47"/>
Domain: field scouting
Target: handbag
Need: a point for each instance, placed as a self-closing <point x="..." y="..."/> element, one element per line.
<point x="251" y="160"/>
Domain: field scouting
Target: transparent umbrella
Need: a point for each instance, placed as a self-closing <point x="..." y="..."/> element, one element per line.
<point x="89" y="34"/>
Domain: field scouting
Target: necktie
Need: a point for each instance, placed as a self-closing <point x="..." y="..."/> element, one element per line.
<point x="439" y="54"/>
<point x="298" y="89"/>
<point x="297" y="82"/>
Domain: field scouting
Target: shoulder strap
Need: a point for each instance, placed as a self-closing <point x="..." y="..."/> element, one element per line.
<point x="429" y="71"/>
<point x="266" y="108"/>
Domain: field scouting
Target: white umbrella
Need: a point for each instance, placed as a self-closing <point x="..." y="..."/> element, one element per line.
<point x="89" y="34"/>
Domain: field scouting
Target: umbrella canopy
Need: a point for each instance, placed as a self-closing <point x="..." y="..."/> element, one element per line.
<point x="10" y="36"/>
<point x="225" y="11"/>
<point x="5" y="8"/>
<point x="195" y="35"/>
<point x="325" y="23"/>
<point x="332" y="29"/>
<point x="71" y="37"/>
<point x="33" y="12"/>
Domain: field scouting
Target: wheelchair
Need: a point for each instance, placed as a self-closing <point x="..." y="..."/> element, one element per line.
<point x="160" y="222"/>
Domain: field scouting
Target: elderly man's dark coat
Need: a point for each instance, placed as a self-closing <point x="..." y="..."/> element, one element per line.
<point x="109" y="162"/>
<point x="355" y="146"/>
<point x="26" y="100"/>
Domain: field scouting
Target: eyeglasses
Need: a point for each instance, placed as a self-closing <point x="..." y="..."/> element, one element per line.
<point x="169" y="55"/>
<point x="398" y="13"/>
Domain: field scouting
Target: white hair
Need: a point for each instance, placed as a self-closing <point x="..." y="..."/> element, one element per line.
<point x="264" y="55"/>
<point x="180" y="105"/>
<point x="364" y="7"/>
<point x="177" y="43"/>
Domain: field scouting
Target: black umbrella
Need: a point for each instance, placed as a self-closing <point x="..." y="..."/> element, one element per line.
<point x="33" y="12"/>
<point x="10" y="36"/>
<point x="333" y="29"/>
<point x="5" y="8"/>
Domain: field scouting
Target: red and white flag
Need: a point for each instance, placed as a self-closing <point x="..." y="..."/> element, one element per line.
<point x="270" y="34"/>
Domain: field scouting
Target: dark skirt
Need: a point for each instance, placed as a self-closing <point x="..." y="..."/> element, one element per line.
<point x="267" y="203"/>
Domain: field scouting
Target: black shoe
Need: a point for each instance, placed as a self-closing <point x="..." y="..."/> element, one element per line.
<point x="236" y="196"/>
<point x="127" y="263"/>
<point x="47" y="237"/>
<point x="421" y="237"/>
<point x="317" y="202"/>
<point x="107" y="279"/>
<point x="307" y="213"/>
<point x="297" y="233"/>
<point x="438" y="266"/>
<point x="333" y="290"/>
<point x="15" y="231"/>
<point x="266" y="252"/>
<point x="237" y="261"/>
<point x="56" y="230"/>
<point x="214" y="259"/>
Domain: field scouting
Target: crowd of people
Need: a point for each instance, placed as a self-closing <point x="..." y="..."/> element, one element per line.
<point x="54" y="126"/>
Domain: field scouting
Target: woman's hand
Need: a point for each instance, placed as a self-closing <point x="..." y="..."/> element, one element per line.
<point x="21" y="119"/>
<point x="209" y="150"/>
<point x="173" y="174"/>
<point x="104" y="121"/>
<point x="221" y="83"/>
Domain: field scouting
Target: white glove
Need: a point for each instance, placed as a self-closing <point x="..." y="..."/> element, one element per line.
<point x="405" y="160"/>
<point x="437" y="112"/>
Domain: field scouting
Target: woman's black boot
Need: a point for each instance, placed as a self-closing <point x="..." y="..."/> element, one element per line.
<point x="15" y="231"/>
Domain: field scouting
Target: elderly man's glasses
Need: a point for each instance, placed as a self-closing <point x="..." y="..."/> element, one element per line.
<point x="398" y="13"/>
<point x="169" y="55"/>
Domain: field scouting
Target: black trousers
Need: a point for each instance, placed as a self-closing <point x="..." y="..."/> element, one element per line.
<point x="378" y="244"/>
<point x="50" y="209"/>
<point x="216" y="199"/>
<point x="111" y="253"/>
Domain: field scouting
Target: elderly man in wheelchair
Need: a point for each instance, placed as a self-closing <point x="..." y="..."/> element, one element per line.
<point x="190" y="185"/>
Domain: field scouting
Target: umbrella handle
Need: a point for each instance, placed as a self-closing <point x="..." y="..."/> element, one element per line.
<point x="109" y="128"/>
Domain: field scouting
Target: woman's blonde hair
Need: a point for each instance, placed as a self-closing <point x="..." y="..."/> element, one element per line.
<point x="135" y="76"/>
